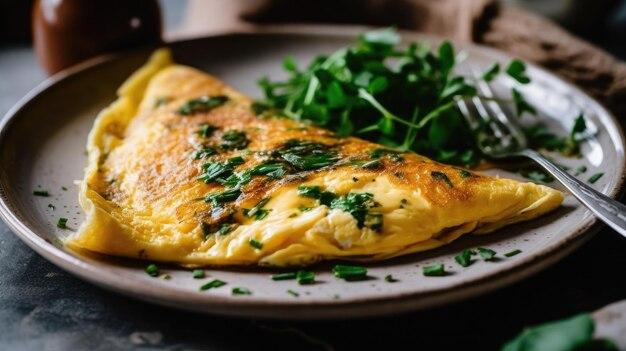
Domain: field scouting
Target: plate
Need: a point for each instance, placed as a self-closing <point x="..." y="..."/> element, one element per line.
<point x="42" y="145"/>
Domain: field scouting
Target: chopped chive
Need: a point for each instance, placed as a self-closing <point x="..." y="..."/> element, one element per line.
<point x="152" y="270"/>
<point x="241" y="291"/>
<point x="225" y="229"/>
<point x="436" y="270"/>
<point x="513" y="253"/>
<point x="464" y="174"/>
<point x="215" y="283"/>
<point x="389" y="278"/>
<point x="465" y="257"/>
<point x="305" y="277"/>
<point x="292" y="293"/>
<point x="442" y="176"/>
<point x="374" y="164"/>
<point x="52" y="206"/>
<point x="62" y="223"/>
<point x="284" y="276"/>
<point x="198" y="274"/>
<point x="580" y="170"/>
<point x="44" y="193"/>
<point x="206" y="130"/>
<point x="256" y="244"/>
<point x="486" y="254"/>
<point x="350" y="272"/>
<point x="594" y="178"/>
<point x="63" y="188"/>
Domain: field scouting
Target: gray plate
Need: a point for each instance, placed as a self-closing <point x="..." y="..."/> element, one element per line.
<point x="42" y="143"/>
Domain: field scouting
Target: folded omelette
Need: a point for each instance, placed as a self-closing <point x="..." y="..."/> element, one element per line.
<point x="184" y="169"/>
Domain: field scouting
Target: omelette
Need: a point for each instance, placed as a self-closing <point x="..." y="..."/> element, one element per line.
<point x="184" y="169"/>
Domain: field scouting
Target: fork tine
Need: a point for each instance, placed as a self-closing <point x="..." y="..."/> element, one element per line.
<point x="509" y="123"/>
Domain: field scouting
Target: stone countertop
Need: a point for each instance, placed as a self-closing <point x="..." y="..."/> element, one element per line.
<point x="43" y="307"/>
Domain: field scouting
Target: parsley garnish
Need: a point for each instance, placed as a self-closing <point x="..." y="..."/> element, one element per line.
<point x="202" y="104"/>
<point x="390" y="279"/>
<point x="442" y="176"/>
<point x="206" y="130"/>
<point x="580" y="170"/>
<point x="486" y="254"/>
<point x="224" y="196"/>
<point x="43" y="193"/>
<point x="517" y="71"/>
<point x="234" y="140"/>
<point x="350" y="273"/>
<point x="307" y="155"/>
<point x="255" y="244"/>
<point x="436" y="270"/>
<point x="465" y="257"/>
<point x="491" y="72"/>
<point x="204" y="151"/>
<point x="594" y="178"/>
<point x="241" y="291"/>
<point x="152" y="270"/>
<point x="215" y="283"/>
<point x="52" y="207"/>
<point x="198" y="274"/>
<point x="284" y="276"/>
<point x="305" y="277"/>
<point x="292" y="293"/>
<point x="257" y="211"/>
<point x="521" y="105"/>
<point x="358" y="204"/>
<point x="62" y="223"/>
<point x="513" y="253"/>
<point x="215" y="170"/>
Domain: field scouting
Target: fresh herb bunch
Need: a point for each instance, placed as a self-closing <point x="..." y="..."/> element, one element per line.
<point x="405" y="99"/>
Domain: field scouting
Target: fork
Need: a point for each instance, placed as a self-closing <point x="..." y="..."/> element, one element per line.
<point x="510" y="141"/>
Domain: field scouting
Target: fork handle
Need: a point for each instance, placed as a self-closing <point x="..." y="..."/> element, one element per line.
<point x="608" y="210"/>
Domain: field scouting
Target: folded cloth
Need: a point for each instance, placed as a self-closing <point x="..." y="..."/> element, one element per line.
<point x="521" y="34"/>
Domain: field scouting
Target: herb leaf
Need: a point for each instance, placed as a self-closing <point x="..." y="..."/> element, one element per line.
<point x="350" y="272"/>
<point x="517" y="71"/>
<point x="486" y="254"/>
<point x="202" y="104"/>
<point x="436" y="270"/>
<point x="594" y="178"/>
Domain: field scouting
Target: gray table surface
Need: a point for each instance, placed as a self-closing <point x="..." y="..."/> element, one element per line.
<point x="44" y="308"/>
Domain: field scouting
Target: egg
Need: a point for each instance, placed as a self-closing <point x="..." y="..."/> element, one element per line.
<point x="184" y="169"/>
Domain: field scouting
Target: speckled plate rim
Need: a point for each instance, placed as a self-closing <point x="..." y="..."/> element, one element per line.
<point x="293" y="309"/>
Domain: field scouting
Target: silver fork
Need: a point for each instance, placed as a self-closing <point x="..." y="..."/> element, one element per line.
<point x="511" y="142"/>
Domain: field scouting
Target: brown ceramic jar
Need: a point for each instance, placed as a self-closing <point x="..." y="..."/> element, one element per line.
<point x="66" y="32"/>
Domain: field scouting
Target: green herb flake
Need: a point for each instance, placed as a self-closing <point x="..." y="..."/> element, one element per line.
<point x="198" y="274"/>
<point x="241" y="291"/>
<point x="305" y="277"/>
<point x="257" y="212"/>
<point x="491" y="72"/>
<point x="234" y="140"/>
<point x="538" y="176"/>
<point x="580" y="170"/>
<point x="152" y="270"/>
<point x="62" y="223"/>
<point x="215" y="283"/>
<point x="442" y="176"/>
<point x="464" y="174"/>
<point x="486" y="254"/>
<point x="292" y="293"/>
<point x="465" y="258"/>
<point x="63" y="188"/>
<point x="256" y="244"/>
<point x="216" y="199"/>
<point x="517" y="71"/>
<point x="350" y="273"/>
<point x="390" y="279"/>
<point x="307" y="155"/>
<point x="594" y="178"/>
<point x="513" y="253"/>
<point x="204" y="151"/>
<point x="202" y="104"/>
<point x="436" y="270"/>
<point x="521" y="105"/>
<point x="284" y="276"/>
<point x="374" y="164"/>
<point x="51" y="206"/>
<point x="206" y="130"/>
<point x="43" y="193"/>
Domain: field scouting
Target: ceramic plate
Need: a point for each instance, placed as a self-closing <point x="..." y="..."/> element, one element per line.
<point x="42" y="145"/>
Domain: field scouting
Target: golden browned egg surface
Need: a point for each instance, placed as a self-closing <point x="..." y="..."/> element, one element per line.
<point x="183" y="169"/>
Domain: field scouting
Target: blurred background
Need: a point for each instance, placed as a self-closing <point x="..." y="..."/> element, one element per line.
<point x="602" y="22"/>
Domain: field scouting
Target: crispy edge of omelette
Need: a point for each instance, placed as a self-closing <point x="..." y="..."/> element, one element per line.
<point x="107" y="134"/>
